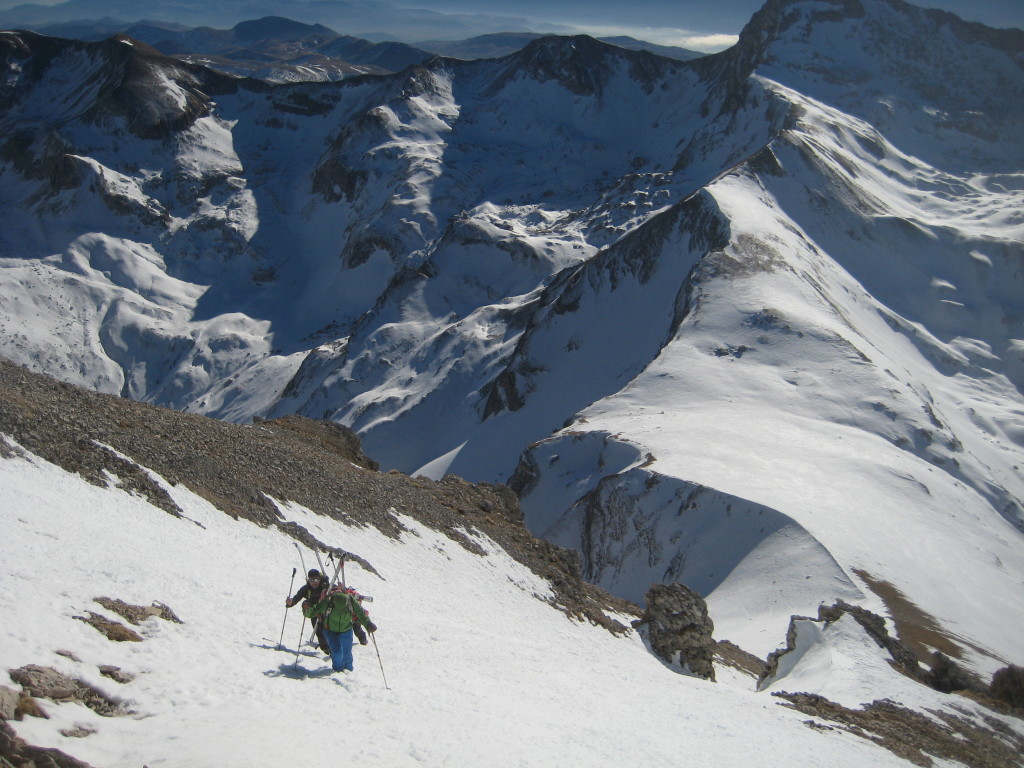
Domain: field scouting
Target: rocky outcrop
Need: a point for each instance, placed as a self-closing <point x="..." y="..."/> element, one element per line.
<point x="39" y="682"/>
<point x="873" y="624"/>
<point x="112" y="630"/>
<point x="16" y="752"/>
<point x="9" y="700"/>
<point x="943" y="673"/>
<point x="903" y="658"/>
<point x="136" y="614"/>
<point x="679" y="629"/>
<point x="917" y="737"/>
<point x="728" y="654"/>
<point x="116" y="674"/>
<point x="1008" y="686"/>
<point x="46" y="683"/>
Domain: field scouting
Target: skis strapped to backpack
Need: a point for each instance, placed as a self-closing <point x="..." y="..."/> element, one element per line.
<point x="332" y="585"/>
<point x="340" y="568"/>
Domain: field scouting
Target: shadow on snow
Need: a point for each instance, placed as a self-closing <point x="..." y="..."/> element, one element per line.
<point x="293" y="671"/>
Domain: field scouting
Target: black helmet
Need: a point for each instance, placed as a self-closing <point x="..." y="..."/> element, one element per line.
<point x="313" y="574"/>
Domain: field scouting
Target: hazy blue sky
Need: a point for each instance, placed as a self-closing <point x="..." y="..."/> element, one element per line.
<point x="695" y="24"/>
<point x="730" y="13"/>
<point x="685" y="18"/>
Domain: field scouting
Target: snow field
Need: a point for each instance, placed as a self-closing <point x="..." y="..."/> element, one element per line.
<point x="477" y="667"/>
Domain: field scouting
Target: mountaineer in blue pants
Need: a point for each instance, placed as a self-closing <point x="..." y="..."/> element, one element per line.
<point x="339" y="610"/>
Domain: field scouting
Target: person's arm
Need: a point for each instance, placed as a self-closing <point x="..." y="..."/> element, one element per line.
<point x="303" y="591"/>
<point x="360" y="613"/>
<point x="315" y="609"/>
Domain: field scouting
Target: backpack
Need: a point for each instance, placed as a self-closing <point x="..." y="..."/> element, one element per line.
<point x="352" y="596"/>
<point x="337" y="589"/>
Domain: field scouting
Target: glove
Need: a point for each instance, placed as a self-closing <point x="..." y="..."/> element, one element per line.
<point x="306" y="604"/>
<point x="371" y="627"/>
<point x="288" y="603"/>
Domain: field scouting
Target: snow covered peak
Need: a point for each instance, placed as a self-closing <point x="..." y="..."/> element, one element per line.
<point x="118" y="83"/>
<point x="582" y="64"/>
<point x="949" y="90"/>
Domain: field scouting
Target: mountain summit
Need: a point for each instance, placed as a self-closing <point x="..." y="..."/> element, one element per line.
<point x="947" y="89"/>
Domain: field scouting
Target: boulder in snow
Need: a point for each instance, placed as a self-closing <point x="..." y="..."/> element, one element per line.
<point x="679" y="628"/>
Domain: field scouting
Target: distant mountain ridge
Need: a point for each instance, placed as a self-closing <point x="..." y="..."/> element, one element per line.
<point x="750" y="322"/>
<point x="279" y="49"/>
<point x="272" y="48"/>
<point x="365" y="18"/>
<point x="504" y="43"/>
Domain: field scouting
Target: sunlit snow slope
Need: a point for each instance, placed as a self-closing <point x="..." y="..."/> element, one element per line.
<point x="752" y="323"/>
<point x="473" y="665"/>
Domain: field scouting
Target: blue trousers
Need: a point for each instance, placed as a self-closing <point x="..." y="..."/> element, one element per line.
<point x="340" y="644"/>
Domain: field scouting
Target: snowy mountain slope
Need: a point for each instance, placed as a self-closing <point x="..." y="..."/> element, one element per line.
<point x="785" y="407"/>
<point x="781" y="282"/>
<point x="511" y="256"/>
<point x="470" y="657"/>
<point x="867" y="424"/>
<point x="943" y="89"/>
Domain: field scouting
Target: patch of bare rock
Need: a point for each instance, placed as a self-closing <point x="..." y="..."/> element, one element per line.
<point x="241" y="469"/>
<point x="40" y="683"/>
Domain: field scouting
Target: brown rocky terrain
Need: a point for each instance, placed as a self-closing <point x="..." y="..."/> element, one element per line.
<point x="238" y="468"/>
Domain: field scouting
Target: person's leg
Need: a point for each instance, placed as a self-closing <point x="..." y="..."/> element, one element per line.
<point x="335" y="643"/>
<point x="345" y="646"/>
<point x="320" y="637"/>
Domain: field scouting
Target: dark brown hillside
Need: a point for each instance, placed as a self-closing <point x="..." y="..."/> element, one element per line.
<point x="237" y="467"/>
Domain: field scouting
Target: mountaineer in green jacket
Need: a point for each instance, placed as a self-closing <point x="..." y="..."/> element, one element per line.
<point x="339" y="609"/>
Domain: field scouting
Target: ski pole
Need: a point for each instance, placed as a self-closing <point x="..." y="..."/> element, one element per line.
<point x="373" y="636"/>
<point x="298" y="646"/>
<point x="286" y="607"/>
